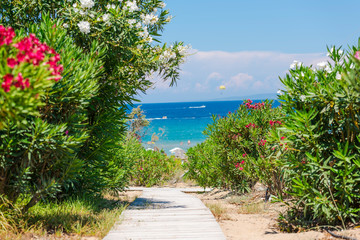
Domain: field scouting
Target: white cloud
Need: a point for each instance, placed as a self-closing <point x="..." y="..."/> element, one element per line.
<point x="244" y="73"/>
<point x="239" y="81"/>
<point x="214" y="75"/>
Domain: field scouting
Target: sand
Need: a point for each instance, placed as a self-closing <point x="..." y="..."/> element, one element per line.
<point x="248" y="217"/>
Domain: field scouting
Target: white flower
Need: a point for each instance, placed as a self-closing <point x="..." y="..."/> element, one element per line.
<point x="76" y="10"/>
<point x="149" y="39"/>
<point x="322" y="65"/>
<point x="131" y="6"/>
<point x="328" y="69"/>
<point x="106" y="17"/>
<point x="338" y="76"/>
<point x="91" y="15"/>
<point x="149" y="19"/>
<point x="138" y="25"/>
<point x="65" y="25"/>
<point x="74" y="5"/>
<point x="84" y="27"/>
<point x="183" y="50"/>
<point x="279" y="92"/>
<point x="112" y="6"/>
<point x="302" y="74"/>
<point x="87" y="3"/>
<point x="144" y="34"/>
<point x="352" y="66"/>
<point x="162" y="5"/>
<point x="295" y="64"/>
<point x="302" y="98"/>
<point x="131" y="21"/>
<point x="341" y="52"/>
<point x="168" y="19"/>
<point x="82" y="13"/>
<point x="167" y="55"/>
<point x="139" y="46"/>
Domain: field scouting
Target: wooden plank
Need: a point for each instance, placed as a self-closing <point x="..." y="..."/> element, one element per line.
<point x="166" y="213"/>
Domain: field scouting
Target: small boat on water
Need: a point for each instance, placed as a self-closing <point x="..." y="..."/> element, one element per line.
<point x="164" y="117"/>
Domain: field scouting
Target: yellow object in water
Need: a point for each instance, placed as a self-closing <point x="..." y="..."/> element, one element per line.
<point x="222" y="87"/>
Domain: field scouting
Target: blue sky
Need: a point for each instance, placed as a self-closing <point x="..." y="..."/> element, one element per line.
<point x="247" y="45"/>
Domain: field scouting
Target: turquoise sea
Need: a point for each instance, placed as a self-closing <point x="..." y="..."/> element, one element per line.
<point x="182" y="124"/>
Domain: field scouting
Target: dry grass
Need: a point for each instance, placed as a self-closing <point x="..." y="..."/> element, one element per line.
<point x="252" y="208"/>
<point x="219" y="212"/>
<point x="77" y="218"/>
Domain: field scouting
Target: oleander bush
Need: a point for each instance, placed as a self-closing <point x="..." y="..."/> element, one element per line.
<point x="321" y="104"/>
<point x="237" y="154"/>
<point x="203" y="165"/>
<point x="68" y="71"/>
<point x="39" y="157"/>
<point x="147" y="167"/>
<point x="64" y="138"/>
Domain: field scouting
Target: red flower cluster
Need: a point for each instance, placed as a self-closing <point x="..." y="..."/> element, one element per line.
<point x="249" y="105"/>
<point x="32" y="51"/>
<point x="272" y="123"/>
<point x="18" y="82"/>
<point x="238" y="165"/>
<point x="6" y="35"/>
<point x="244" y="155"/>
<point x="262" y="142"/>
<point x="251" y="125"/>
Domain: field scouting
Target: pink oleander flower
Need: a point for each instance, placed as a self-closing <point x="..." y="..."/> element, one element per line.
<point x="11" y="62"/>
<point x="282" y="138"/>
<point x="262" y="142"/>
<point x="6" y="35"/>
<point x="244" y="155"/>
<point x="6" y="84"/>
<point x="251" y="125"/>
<point x="20" y="83"/>
<point x="241" y="168"/>
<point x="242" y="162"/>
<point x="357" y="55"/>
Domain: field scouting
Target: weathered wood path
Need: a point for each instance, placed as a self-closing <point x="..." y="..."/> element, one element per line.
<point x="166" y="213"/>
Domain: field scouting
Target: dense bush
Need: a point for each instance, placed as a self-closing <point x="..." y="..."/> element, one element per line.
<point x="147" y="167"/>
<point x="323" y="111"/>
<point x="203" y="165"/>
<point x="40" y="158"/>
<point x="238" y="148"/>
<point x="71" y="142"/>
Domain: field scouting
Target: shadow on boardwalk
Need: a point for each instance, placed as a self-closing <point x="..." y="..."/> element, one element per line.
<point x="165" y="213"/>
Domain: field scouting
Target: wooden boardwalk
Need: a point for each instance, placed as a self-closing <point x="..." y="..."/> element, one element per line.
<point x="166" y="213"/>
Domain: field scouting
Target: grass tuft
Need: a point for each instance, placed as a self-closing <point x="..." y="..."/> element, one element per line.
<point x="72" y="218"/>
<point x="219" y="212"/>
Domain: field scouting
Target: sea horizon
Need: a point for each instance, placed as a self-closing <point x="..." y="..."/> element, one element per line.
<point x="181" y="124"/>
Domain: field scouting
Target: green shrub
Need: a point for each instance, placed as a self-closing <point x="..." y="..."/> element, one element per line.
<point x="147" y="167"/>
<point x="322" y="107"/>
<point x="203" y="165"/>
<point x="238" y="151"/>
<point x="41" y="158"/>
